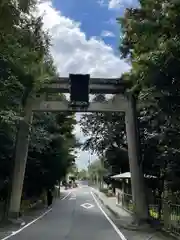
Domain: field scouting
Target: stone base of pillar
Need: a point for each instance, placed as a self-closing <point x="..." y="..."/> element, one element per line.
<point x="14" y="215"/>
<point x="140" y="222"/>
<point x="15" y="218"/>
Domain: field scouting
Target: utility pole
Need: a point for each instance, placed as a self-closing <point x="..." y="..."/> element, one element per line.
<point x="102" y="172"/>
<point x="89" y="163"/>
<point x="89" y="160"/>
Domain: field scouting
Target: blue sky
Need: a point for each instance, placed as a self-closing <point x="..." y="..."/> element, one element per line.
<point x="94" y="18"/>
<point x="85" y="39"/>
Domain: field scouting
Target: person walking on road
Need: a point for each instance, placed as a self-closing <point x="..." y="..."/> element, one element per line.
<point x="49" y="197"/>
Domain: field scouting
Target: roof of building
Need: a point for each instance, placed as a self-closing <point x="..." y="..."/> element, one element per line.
<point x="128" y="175"/>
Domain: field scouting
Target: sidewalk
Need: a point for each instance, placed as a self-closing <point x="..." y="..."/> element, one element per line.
<point x="123" y="219"/>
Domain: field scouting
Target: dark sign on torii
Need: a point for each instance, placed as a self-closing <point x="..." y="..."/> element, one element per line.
<point x="79" y="90"/>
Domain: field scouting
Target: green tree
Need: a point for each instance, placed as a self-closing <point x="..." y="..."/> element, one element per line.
<point x="150" y="42"/>
<point x="96" y="170"/>
<point x="108" y="138"/>
<point x="50" y="155"/>
<point x="25" y="65"/>
<point x="83" y="175"/>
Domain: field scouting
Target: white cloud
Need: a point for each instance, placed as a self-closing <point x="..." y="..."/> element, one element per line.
<point x="102" y="3"/>
<point x="77" y="130"/>
<point x="83" y="157"/>
<point x="107" y="34"/>
<point x="117" y="4"/>
<point x="74" y="53"/>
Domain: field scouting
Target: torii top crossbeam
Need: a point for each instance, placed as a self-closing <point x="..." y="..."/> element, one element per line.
<point x="115" y="86"/>
<point x="96" y="85"/>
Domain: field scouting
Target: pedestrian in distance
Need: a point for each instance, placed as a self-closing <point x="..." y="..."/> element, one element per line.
<point x="49" y="197"/>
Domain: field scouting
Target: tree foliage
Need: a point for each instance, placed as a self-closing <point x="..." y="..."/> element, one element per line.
<point x="83" y="174"/>
<point x="25" y="65"/>
<point x="107" y="137"/>
<point x="97" y="169"/>
<point x="150" y="41"/>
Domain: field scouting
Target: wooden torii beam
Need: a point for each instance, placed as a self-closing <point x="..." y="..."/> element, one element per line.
<point x="96" y="86"/>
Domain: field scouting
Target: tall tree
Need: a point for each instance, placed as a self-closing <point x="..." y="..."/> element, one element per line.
<point x="150" y="42"/>
<point x="25" y="65"/>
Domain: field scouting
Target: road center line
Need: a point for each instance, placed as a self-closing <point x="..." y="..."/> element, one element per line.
<point x="122" y="237"/>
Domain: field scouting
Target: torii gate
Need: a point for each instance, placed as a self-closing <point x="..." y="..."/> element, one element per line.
<point x="121" y="102"/>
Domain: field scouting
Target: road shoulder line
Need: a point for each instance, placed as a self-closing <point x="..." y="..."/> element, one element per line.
<point x="27" y="225"/>
<point x="33" y="221"/>
<point x="121" y="235"/>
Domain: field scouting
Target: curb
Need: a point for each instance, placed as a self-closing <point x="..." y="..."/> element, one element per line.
<point x="110" y="209"/>
<point x="136" y="228"/>
<point x="127" y="227"/>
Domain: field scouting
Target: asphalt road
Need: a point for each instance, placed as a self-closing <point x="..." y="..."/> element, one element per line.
<point x="78" y="216"/>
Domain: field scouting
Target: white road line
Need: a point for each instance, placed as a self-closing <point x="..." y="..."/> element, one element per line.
<point x="27" y="225"/>
<point x="122" y="237"/>
<point x="30" y="223"/>
<point x="66" y="196"/>
<point x="72" y="198"/>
